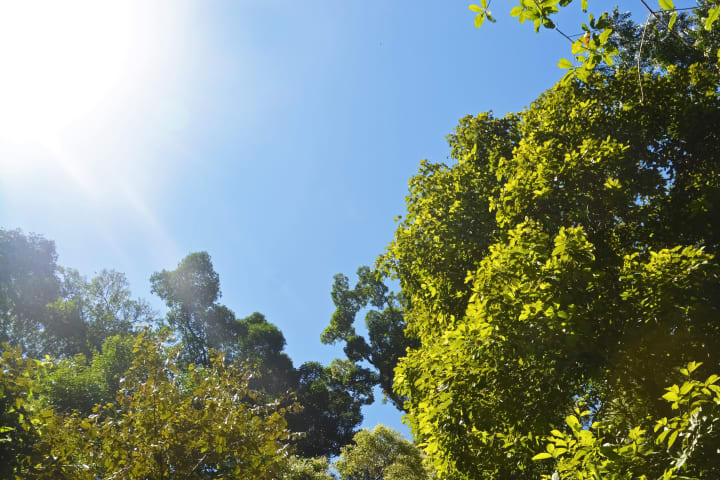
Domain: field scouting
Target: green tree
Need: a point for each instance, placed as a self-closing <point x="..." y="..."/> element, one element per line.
<point x="299" y="468"/>
<point x="590" y="274"/>
<point x="28" y="283"/>
<point x="681" y="447"/>
<point x="382" y="454"/>
<point x="79" y="383"/>
<point x="331" y="399"/>
<point x="385" y="324"/>
<point x="167" y="423"/>
<point x="90" y="312"/>
<point x="692" y="33"/>
<point x="191" y="292"/>
<point x="261" y="344"/>
<point x="21" y="412"/>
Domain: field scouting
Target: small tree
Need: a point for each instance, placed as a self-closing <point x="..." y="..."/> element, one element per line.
<point x="382" y="454"/>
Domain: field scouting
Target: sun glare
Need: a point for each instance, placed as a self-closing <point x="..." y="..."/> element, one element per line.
<point x="58" y="61"/>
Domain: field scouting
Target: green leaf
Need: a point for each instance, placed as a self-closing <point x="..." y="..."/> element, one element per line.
<point x="573" y="422"/>
<point x="584" y="5"/>
<point x="564" y="63"/>
<point x="583" y="74"/>
<point x="673" y="18"/>
<point x="516" y="11"/>
<point x="713" y="15"/>
<point x="605" y="35"/>
<point x="484" y="3"/>
<point x="671" y="397"/>
<point x="541" y="456"/>
<point x="479" y="19"/>
<point x="666" y="4"/>
<point x="475" y="8"/>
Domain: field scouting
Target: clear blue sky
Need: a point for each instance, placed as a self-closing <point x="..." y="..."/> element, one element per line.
<point x="279" y="136"/>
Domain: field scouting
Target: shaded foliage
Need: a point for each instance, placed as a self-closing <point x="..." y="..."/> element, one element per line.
<point x="191" y="292"/>
<point x="385" y="324"/>
<point x="28" y="283"/>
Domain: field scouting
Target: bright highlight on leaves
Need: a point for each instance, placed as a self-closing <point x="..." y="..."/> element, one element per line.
<point x="593" y="48"/>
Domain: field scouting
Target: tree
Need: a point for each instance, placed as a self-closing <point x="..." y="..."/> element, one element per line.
<point x="331" y="399"/>
<point x="90" y="312"/>
<point x="382" y="454"/>
<point x="80" y="383"/>
<point x="19" y="412"/>
<point x="28" y="283"/>
<point x="687" y="442"/>
<point x="191" y="292"/>
<point x="299" y="468"/>
<point x="569" y="255"/>
<point x="166" y="423"/>
<point x="261" y="343"/>
<point x="47" y="309"/>
<point x="385" y="325"/>
<point x="692" y="32"/>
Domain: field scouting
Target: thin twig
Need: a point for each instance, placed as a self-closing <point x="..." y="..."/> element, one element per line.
<point x="642" y="40"/>
<point x="563" y="33"/>
<point x="667" y="25"/>
<point x="653" y="12"/>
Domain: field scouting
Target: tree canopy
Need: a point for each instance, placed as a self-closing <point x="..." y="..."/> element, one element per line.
<point x="382" y="454"/>
<point x="558" y="315"/>
<point x="385" y="324"/>
<point x="568" y="255"/>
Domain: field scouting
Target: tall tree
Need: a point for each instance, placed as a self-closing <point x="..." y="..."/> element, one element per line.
<point x="262" y="344"/>
<point x="191" y="292"/>
<point x="385" y="324"/>
<point x="28" y="283"/>
<point x="90" y="312"/>
<point x="592" y="274"/>
<point x="331" y="399"/>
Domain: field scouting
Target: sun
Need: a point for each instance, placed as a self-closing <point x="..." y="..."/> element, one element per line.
<point x="58" y="61"/>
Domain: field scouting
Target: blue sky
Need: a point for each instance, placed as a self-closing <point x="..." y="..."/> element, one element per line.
<point x="279" y="136"/>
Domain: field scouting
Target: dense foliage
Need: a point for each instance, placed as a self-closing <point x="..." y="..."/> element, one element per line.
<point x="86" y="333"/>
<point x="163" y="423"/>
<point x="568" y="255"/>
<point x="559" y="313"/>
<point x="382" y="453"/>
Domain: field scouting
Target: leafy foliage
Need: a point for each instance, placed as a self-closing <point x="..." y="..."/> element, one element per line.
<point x="21" y="412"/>
<point x="682" y="447"/>
<point x="382" y="453"/>
<point x="79" y="383"/>
<point x="692" y="32"/>
<point x="331" y="399"/>
<point x="28" y="282"/>
<point x="261" y="343"/>
<point x="191" y="292"/>
<point x="165" y="423"/>
<point x="89" y="312"/>
<point x="299" y="468"/>
<point x="385" y="324"/>
<point x="591" y="273"/>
